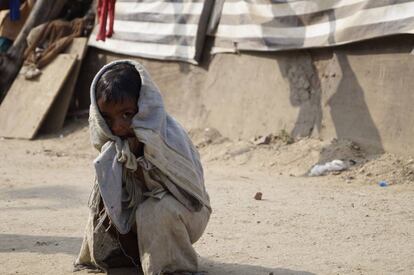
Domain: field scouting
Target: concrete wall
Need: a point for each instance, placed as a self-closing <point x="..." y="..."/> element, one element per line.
<point x="370" y="100"/>
<point x="362" y="92"/>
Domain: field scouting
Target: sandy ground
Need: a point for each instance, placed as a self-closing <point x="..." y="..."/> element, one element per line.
<point x="325" y="225"/>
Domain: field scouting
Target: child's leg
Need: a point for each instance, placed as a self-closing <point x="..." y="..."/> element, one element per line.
<point x="166" y="231"/>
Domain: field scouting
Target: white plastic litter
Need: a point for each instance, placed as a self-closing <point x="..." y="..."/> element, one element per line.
<point x="322" y="169"/>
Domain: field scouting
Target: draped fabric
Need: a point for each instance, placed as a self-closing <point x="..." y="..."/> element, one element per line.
<point x="177" y="29"/>
<point x="272" y="25"/>
<point x="160" y="29"/>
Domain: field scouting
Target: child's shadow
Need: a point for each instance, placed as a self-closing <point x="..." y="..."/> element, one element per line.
<point x="217" y="268"/>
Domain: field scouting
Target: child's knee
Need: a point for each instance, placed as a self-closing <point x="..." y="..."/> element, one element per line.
<point x="157" y="212"/>
<point x="170" y="214"/>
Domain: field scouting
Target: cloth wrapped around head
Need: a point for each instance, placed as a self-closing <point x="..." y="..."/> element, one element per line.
<point x="166" y="146"/>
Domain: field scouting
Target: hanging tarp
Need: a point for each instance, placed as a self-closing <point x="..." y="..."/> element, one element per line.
<point x="161" y="29"/>
<point x="271" y="25"/>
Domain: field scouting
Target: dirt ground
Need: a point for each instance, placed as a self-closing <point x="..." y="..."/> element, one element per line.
<point x="336" y="224"/>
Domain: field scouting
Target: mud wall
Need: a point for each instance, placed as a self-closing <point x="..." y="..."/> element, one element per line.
<point x="361" y="92"/>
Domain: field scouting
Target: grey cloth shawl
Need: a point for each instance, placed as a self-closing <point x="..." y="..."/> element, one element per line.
<point x="166" y="146"/>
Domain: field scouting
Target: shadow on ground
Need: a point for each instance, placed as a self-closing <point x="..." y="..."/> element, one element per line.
<point x="39" y="244"/>
<point x="217" y="268"/>
<point x="70" y="245"/>
<point x="57" y="196"/>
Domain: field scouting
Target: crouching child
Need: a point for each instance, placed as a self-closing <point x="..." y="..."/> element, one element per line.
<point x="149" y="203"/>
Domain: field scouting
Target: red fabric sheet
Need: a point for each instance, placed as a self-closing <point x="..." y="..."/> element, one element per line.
<point x="106" y="8"/>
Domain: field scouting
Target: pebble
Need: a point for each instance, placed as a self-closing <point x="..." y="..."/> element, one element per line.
<point x="258" y="196"/>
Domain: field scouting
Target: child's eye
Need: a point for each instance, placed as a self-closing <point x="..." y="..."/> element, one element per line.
<point x="127" y="115"/>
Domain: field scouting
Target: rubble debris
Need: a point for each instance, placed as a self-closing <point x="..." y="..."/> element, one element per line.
<point x="333" y="166"/>
<point x="262" y="140"/>
<point x="206" y="136"/>
<point x="283" y="137"/>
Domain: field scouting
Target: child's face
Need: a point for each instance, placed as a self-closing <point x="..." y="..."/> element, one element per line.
<point x="119" y="116"/>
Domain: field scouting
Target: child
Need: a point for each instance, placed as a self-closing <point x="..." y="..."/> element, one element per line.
<point x="149" y="204"/>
